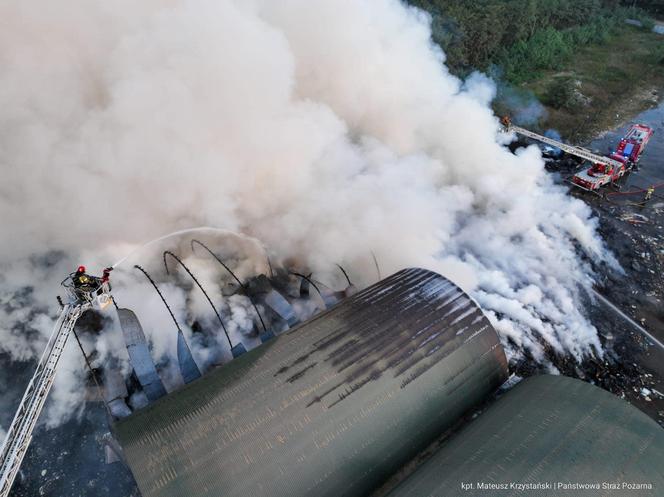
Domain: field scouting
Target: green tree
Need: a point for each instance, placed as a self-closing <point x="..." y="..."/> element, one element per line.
<point x="522" y="37"/>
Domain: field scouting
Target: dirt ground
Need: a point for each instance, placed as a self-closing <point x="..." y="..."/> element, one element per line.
<point x="634" y="230"/>
<point x="633" y="365"/>
<point x="635" y="233"/>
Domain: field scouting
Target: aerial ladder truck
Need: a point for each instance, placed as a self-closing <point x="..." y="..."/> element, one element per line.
<point x="603" y="171"/>
<point x="94" y="294"/>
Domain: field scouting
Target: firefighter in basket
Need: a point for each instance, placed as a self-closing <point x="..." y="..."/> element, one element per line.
<point x="87" y="287"/>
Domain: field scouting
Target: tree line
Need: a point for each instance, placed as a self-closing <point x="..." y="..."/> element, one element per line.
<point x="520" y="38"/>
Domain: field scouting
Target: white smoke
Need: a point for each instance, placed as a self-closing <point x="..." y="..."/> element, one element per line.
<point x="326" y="129"/>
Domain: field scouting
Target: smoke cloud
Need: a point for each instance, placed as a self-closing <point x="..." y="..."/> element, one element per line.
<point x="324" y="129"/>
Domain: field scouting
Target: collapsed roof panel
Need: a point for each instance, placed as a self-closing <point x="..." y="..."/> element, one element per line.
<point x="275" y="301"/>
<point x="139" y="355"/>
<point x="188" y="367"/>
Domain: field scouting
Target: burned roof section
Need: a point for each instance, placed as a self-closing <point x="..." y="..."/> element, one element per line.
<point x="332" y="407"/>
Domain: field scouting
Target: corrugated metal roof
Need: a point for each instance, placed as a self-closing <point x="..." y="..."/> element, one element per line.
<point x="548" y="429"/>
<point x="330" y="408"/>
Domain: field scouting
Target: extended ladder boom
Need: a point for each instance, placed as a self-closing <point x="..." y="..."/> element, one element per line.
<point x="19" y="434"/>
<point x="570" y="149"/>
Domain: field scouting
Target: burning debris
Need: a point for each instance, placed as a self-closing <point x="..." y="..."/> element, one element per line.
<point x="280" y="300"/>
<point x="615" y="371"/>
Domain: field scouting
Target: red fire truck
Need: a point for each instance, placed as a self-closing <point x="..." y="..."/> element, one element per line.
<point x="632" y="145"/>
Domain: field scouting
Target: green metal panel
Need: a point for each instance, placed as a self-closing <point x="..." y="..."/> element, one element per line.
<point x="548" y="429"/>
<point x="331" y="408"/>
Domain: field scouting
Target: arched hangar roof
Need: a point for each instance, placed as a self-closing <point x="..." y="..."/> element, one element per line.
<point x="331" y="408"/>
<point x="548" y="429"/>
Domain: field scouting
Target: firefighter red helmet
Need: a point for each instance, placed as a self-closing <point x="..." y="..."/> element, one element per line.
<point x="81" y="269"/>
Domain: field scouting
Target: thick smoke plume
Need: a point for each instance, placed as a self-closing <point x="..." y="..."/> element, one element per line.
<point x="325" y="129"/>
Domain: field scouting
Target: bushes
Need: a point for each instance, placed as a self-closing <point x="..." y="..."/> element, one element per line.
<point x="658" y="55"/>
<point x="647" y="23"/>
<point x="523" y="37"/>
<point x="562" y="93"/>
<point x="547" y="49"/>
<point x="474" y="33"/>
<point x="550" y="48"/>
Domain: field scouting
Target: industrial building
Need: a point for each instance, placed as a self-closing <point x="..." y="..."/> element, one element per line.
<point x="340" y="404"/>
<point x="332" y="407"/>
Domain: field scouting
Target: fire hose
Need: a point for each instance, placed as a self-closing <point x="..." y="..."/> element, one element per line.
<point x="642" y="203"/>
<point x="633" y="192"/>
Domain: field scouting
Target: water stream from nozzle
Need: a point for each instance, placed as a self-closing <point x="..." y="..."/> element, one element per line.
<point x="175" y="233"/>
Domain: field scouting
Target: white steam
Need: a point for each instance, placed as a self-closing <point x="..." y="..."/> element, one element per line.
<point x="325" y="129"/>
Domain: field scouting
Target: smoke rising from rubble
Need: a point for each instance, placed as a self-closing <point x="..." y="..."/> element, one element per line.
<point x="324" y="129"/>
